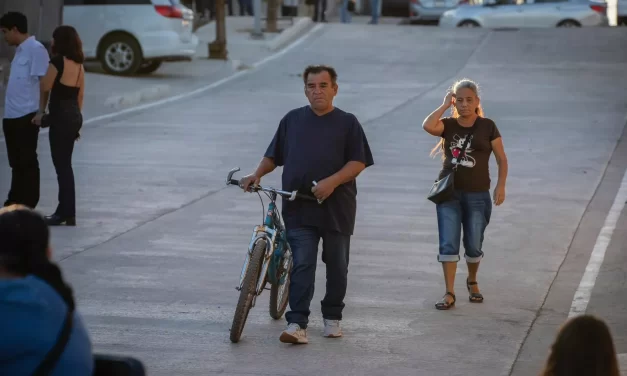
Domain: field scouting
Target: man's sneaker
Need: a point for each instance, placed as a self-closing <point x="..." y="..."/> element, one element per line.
<point x="294" y="334"/>
<point x="332" y="328"/>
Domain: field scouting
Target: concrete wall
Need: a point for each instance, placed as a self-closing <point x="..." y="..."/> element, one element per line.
<point x="43" y="17"/>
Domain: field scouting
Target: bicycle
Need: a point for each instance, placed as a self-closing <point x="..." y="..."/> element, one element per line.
<point x="268" y="259"/>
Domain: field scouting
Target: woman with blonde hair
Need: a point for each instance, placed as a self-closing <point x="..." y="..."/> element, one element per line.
<point x="583" y="347"/>
<point x="467" y="140"/>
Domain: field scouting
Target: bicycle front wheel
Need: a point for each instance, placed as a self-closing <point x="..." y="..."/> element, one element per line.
<point x="248" y="291"/>
<point x="279" y="292"/>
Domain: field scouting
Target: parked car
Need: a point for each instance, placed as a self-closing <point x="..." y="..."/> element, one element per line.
<point x="132" y="36"/>
<point x="527" y="13"/>
<point x="431" y="10"/>
<point x="621" y="12"/>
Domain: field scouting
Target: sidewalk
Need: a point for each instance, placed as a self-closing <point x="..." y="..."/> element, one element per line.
<point x="107" y="94"/>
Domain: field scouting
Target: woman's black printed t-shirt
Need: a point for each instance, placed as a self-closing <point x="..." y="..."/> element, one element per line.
<point x="473" y="171"/>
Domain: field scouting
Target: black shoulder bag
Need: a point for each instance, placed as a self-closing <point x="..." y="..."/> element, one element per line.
<point x="51" y="359"/>
<point x="443" y="189"/>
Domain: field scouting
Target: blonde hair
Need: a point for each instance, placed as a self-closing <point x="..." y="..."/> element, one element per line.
<point x="464" y="83"/>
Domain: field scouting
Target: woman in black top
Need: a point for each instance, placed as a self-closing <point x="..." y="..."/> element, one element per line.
<point x="65" y="81"/>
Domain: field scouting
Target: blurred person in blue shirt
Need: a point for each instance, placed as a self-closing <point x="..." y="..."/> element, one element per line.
<point x="35" y="300"/>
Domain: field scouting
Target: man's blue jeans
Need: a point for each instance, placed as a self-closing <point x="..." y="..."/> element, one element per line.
<point x="345" y="15"/>
<point x="374" y="9"/>
<point x="335" y="250"/>
<point x="470" y="211"/>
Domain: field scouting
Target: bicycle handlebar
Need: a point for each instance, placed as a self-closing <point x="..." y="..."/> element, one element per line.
<point x="290" y="195"/>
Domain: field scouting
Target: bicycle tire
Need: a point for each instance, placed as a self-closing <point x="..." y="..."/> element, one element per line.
<point x="247" y="292"/>
<point x="277" y="309"/>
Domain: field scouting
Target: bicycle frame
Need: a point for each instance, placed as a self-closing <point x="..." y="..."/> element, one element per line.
<point x="274" y="260"/>
<point x="273" y="232"/>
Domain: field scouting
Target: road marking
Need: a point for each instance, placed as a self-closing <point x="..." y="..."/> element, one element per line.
<point x="584" y="291"/>
<point x="214" y="85"/>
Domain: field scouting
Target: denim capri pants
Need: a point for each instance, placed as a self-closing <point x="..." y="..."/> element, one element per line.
<point x="469" y="211"/>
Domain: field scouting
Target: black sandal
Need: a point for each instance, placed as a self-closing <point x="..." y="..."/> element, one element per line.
<point x="443" y="304"/>
<point x="475" y="297"/>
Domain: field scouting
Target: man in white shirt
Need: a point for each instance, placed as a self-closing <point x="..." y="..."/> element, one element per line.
<point x="23" y="102"/>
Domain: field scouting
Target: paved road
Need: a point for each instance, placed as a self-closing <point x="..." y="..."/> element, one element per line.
<point x="610" y="282"/>
<point x="160" y="240"/>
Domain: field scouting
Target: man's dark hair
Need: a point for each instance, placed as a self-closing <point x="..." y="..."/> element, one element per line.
<point x="14" y="20"/>
<point x="316" y="69"/>
<point x="67" y="43"/>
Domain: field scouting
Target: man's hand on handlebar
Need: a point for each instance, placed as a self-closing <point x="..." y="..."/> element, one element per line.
<point x="323" y="189"/>
<point x="248" y="180"/>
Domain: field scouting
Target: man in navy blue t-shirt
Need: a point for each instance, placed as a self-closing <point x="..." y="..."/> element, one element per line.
<point x="324" y="144"/>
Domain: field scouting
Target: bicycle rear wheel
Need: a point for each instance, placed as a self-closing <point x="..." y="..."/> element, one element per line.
<point x="279" y="293"/>
<point x="248" y="291"/>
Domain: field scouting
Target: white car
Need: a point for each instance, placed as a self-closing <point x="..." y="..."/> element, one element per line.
<point x="132" y="36"/>
<point x="527" y="14"/>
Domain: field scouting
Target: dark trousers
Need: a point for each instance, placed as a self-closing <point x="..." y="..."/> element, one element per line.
<point x="210" y="5"/>
<point x="63" y="134"/>
<point x="246" y="7"/>
<point x="318" y="15"/>
<point x="21" y="137"/>
<point x="335" y="251"/>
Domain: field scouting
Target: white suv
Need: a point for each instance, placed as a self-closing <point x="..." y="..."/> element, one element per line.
<point x="132" y="36"/>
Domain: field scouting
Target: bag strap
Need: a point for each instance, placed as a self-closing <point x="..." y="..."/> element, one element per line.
<point x="462" y="152"/>
<point x="51" y="359"/>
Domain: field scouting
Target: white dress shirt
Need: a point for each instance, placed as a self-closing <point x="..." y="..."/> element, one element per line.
<point x="28" y="66"/>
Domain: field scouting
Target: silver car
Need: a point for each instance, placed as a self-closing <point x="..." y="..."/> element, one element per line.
<point x="527" y="13"/>
<point x="431" y="10"/>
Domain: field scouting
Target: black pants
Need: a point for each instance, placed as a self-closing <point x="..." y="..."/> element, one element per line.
<point x="335" y="251"/>
<point x="21" y="137"/>
<point x="246" y="7"/>
<point x="63" y="134"/>
<point x="210" y="5"/>
<point x="318" y="15"/>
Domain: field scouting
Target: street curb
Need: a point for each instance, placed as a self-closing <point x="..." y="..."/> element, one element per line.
<point x="134" y="98"/>
<point x="290" y="34"/>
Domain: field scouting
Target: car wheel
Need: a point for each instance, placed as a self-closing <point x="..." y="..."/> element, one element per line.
<point x="149" y="66"/>
<point x="120" y="54"/>
<point x="569" y="23"/>
<point x="468" y="23"/>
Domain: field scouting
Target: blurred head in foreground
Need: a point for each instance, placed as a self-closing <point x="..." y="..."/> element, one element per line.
<point x="25" y="249"/>
<point x="583" y="346"/>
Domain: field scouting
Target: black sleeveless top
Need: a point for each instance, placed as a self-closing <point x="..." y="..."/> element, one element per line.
<point x="62" y="95"/>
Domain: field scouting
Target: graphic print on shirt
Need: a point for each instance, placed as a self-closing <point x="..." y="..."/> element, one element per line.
<point x="456" y="148"/>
